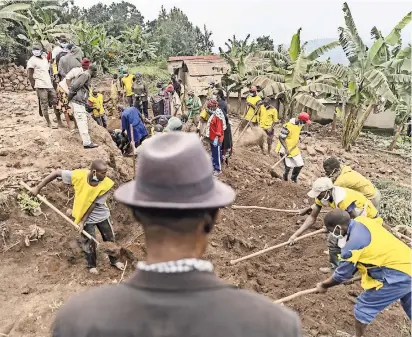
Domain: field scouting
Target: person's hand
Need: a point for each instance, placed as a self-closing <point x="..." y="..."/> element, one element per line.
<point x="291" y="240"/>
<point x="215" y="142"/>
<point x="81" y="226"/>
<point x="35" y="190"/>
<point x="305" y="211"/>
<point x="320" y="288"/>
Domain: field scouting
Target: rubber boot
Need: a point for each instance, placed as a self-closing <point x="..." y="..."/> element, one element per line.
<point x="286" y="174"/>
<point x="295" y="174"/>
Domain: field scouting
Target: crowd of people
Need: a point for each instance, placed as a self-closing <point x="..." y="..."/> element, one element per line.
<point x="170" y="293"/>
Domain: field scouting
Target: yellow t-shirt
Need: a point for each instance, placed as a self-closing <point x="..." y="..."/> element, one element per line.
<point x="344" y="197"/>
<point x="267" y="117"/>
<point x="114" y="92"/>
<point x="97" y="102"/>
<point x="249" y="114"/>
<point x="355" y="181"/>
<point x="128" y="84"/>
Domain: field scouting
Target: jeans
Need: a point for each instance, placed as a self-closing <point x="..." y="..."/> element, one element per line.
<point x="334" y="251"/>
<point x="47" y="98"/>
<point x="130" y="100"/>
<point x="216" y="157"/>
<point x="80" y="115"/>
<point x="89" y="246"/>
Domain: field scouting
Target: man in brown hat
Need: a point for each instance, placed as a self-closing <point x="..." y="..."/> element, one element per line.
<point x="174" y="293"/>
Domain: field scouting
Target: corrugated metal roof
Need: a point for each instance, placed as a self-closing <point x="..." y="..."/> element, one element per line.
<point x="205" y="68"/>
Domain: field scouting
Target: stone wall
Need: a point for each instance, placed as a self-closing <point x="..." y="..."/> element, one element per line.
<point x="14" y="78"/>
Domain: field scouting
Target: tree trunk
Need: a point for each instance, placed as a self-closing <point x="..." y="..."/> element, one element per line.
<point x="334" y="122"/>
<point x="239" y="97"/>
<point x="399" y="129"/>
<point x="360" y="122"/>
<point x="348" y="126"/>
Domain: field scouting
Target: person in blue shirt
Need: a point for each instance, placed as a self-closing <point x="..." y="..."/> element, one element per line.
<point x="383" y="261"/>
<point x="132" y="116"/>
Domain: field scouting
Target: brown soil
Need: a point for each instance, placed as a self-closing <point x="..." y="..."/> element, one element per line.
<point x="36" y="280"/>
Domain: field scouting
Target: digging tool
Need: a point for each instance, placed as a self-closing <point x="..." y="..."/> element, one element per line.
<point x="271" y="209"/>
<point x="273" y="173"/>
<point x="247" y="125"/>
<point x="109" y="247"/>
<point x="309" y="291"/>
<point x="64" y="216"/>
<point x="263" y="251"/>
<point x="238" y="126"/>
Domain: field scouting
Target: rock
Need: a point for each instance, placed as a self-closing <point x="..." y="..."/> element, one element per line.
<point x="3" y="152"/>
<point x="320" y="149"/>
<point x="382" y="170"/>
<point x="213" y="244"/>
<point x="389" y="171"/>
<point x="311" y="150"/>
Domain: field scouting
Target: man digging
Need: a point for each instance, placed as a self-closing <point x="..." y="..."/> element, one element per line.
<point x="175" y="292"/>
<point x="383" y="261"/>
<point x="91" y="189"/>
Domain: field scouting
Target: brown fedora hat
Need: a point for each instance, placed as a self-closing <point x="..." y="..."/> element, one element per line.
<point x="174" y="171"/>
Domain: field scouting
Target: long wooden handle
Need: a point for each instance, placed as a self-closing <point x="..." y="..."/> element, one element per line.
<point x="272" y="209"/>
<point x="299" y="293"/>
<point x="263" y="251"/>
<point x="247" y="125"/>
<point x="64" y="216"/>
<point x="280" y="160"/>
<point x="310" y="291"/>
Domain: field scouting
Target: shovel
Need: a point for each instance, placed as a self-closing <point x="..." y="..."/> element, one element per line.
<point x="109" y="248"/>
<point x="273" y="173"/>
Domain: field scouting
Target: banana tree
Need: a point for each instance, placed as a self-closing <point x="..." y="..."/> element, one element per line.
<point x="11" y="10"/>
<point x="137" y="45"/>
<point x="287" y="79"/>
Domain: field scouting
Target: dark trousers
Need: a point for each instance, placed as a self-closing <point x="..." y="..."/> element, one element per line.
<point x="143" y="106"/>
<point x="89" y="246"/>
<point x="101" y="120"/>
<point x="216" y="156"/>
<point x="334" y="251"/>
<point x="130" y="100"/>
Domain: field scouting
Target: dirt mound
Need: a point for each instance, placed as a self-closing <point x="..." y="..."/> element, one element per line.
<point x="37" y="280"/>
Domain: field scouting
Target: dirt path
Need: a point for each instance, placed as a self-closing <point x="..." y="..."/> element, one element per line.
<point x="36" y="280"/>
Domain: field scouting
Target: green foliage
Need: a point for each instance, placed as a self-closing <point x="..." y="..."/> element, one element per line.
<point x="136" y="46"/>
<point x="96" y="44"/>
<point x="27" y="202"/>
<point x="12" y="10"/>
<point x="395" y="204"/>
<point x="152" y="72"/>
<point x="238" y="48"/>
<point x="264" y="43"/>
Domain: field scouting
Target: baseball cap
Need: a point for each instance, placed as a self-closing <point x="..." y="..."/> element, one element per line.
<point x="320" y="185"/>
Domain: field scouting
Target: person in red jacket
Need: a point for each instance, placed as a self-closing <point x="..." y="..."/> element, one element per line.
<point x="215" y="128"/>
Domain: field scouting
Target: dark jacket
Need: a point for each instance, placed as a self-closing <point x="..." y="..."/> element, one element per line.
<point x="192" y="304"/>
<point x="79" y="89"/>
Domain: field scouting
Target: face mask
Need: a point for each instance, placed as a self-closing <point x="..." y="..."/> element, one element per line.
<point x="64" y="45"/>
<point x="36" y="52"/>
<point x="325" y="199"/>
<point x="341" y="239"/>
<point x="214" y="97"/>
<point x="94" y="177"/>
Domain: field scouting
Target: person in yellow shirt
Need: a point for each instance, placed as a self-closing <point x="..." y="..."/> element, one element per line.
<point x="127" y="82"/>
<point x="288" y="148"/>
<point x="96" y="104"/>
<point x="268" y="119"/>
<point x="90" y="210"/>
<point x="253" y="107"/>
<point x="115" y="91"/>
<point x="344" y="176"/>
<point x="383" y="261"/>
<point x="325" y="194"/>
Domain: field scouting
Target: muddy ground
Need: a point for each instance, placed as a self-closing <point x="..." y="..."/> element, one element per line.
<point x="36" y="280"/>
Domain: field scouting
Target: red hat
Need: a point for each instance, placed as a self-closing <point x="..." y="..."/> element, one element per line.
<point x="86" y="63"/>
<point x="304" y="116"/>
<point x="253" y="89"/>
<point x="212" y="103"/>
<point x="170" y="88"/>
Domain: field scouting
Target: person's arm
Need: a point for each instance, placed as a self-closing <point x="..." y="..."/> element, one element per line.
<point x="309" y="221"/>
<point x="282" y="138"/>
<point x="30" y="72"/>
<point x="52" y="176"/>
<point x="79" y="82"/>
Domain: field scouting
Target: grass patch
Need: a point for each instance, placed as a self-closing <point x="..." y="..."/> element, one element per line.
<point x="395" y="204"/>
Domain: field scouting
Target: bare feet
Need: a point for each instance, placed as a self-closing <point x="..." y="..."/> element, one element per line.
<point x="94" y="271"/>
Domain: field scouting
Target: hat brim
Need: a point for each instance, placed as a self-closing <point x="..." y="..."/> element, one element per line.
<point x="313" y="194"/>
<point x="219" y="196"/>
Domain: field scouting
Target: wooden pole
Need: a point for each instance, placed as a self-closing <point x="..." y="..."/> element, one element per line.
<point x="64" y="216"/>
<point x="310" y="291"/>
<point x="133" y="149"/>
<point x="263" y="251"/>
<point x="270" y="209"/>
<point x="247" y="125"/>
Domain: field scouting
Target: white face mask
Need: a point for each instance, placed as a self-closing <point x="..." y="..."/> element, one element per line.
<point x="325" y="199"/>
<point x="64" y="45"/>
<point x="341" y="238"/>
<point x="36" y="52"/>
